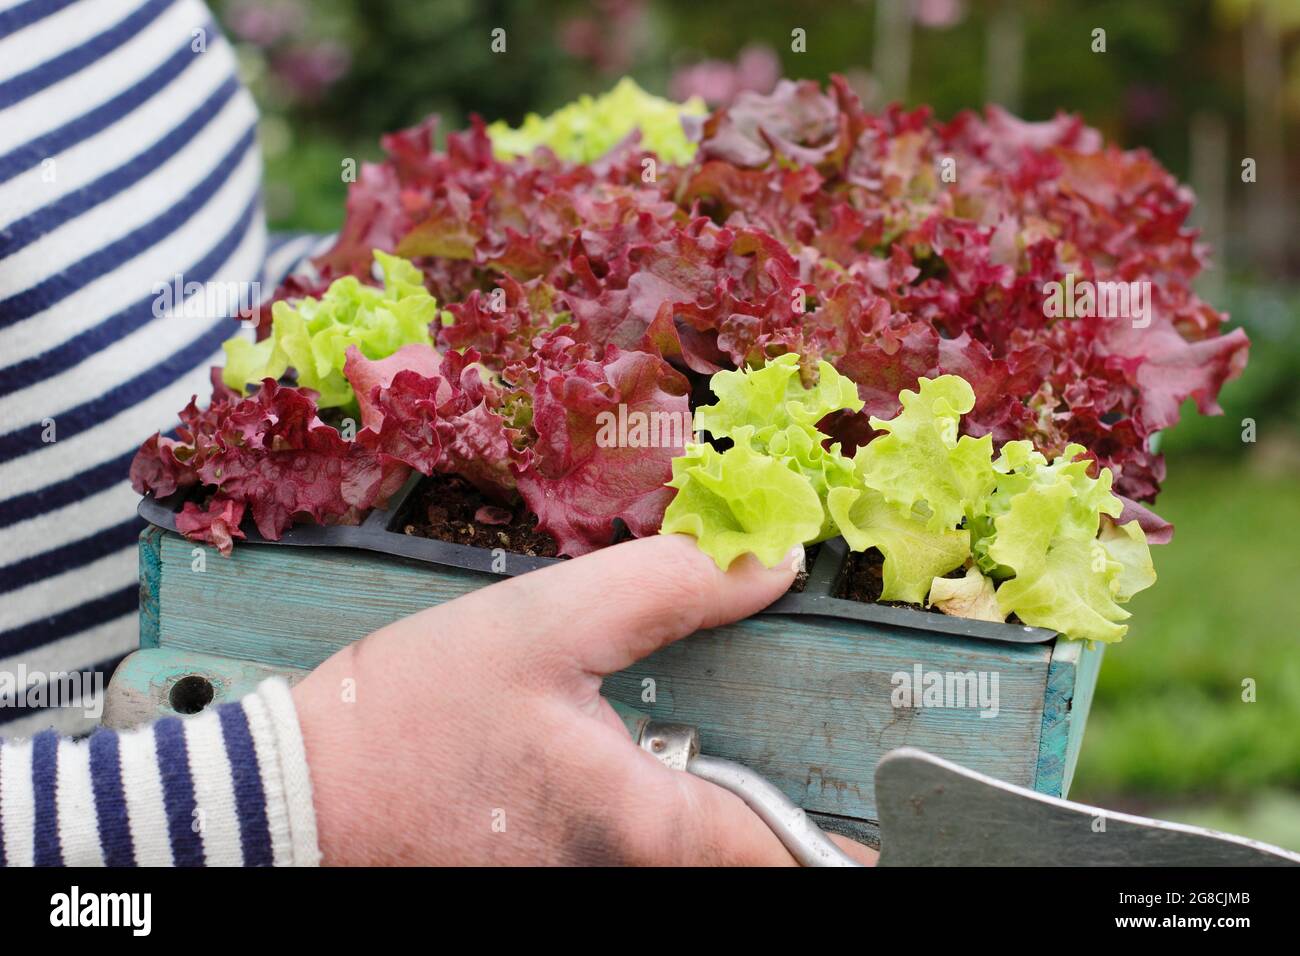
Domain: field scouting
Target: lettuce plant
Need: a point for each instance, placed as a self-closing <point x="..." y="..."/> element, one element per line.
<point x="1052" y="540"/>
<point x="767" y="492"/>
<point x="313" y="336"/>
<point x="794" y="231"/>
<point x="1036" y="539"/>
<point x="588" y="128"/>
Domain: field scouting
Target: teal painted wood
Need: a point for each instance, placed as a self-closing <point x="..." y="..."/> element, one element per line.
<point x="1085" y="685"/>
<point x="805" y="701"/>
<point x="292" y="607"/>
<point x="143" y="682"/>
<point x="1071" y="679"/>
<point x="150" y="572"/>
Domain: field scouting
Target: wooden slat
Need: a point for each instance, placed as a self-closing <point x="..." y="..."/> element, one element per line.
<point x="807" y="703"/>
<point x="1085" y="682"/>
<point x="150" y="574"/>
<point x="1071" y="679"/>
<point x="292" y="607"/>
<point x="142" y="684"/>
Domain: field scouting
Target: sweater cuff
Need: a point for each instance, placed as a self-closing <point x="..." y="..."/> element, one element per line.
<point x="228" y="787"/>
<point x="286" y="780"/>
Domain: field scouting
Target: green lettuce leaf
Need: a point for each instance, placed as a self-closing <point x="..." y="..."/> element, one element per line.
<point x="1020" y="469"/>
<point x="914" y="554"/>
<point x="741" y="501"/>
<point x="1041" y="534"/>
<point x="588" y="128"/>
<point x="1064" y="590"/>
<point x="767" y="492"/>
<point x="313" y="336"/>
<point x="824" y="468"/>
<point x="772" y="398"/>
<point x="780" y="414"/>
<point x="920" y="461"/>
<point x="1062" y="574"/>
<point x="1126" y="544"/>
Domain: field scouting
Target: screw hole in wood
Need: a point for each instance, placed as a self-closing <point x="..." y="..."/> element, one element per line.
<point x="191" y="694"/>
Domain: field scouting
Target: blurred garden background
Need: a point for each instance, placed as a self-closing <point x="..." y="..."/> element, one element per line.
<point x="1203" y="84"/>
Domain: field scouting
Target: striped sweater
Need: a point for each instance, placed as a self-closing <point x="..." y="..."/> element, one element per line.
<point x="128" y="165"/>
<point x="127" y="158"/>
<point x="229" y="787"/>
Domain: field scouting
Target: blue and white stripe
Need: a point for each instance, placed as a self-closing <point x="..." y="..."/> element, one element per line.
<point x="229" y="787"/>
<point x="127" y="156"/>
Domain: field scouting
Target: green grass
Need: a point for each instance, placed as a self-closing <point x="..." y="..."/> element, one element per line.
<point x="1271" y="815"/>
<point x="1169" y="726"/>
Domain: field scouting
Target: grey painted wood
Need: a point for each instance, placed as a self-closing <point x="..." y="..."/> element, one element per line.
<point x="292" y="607"/>
<point x="936" y="813"/>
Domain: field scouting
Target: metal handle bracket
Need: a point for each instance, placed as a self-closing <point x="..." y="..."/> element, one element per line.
<point x="677" y="747"/>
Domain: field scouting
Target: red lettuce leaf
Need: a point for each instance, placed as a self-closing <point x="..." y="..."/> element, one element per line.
<point x="271" y="453"/>
<point x="435" y="415"/>
<point x="217" y="524"/>
<point x="583" y="473"/>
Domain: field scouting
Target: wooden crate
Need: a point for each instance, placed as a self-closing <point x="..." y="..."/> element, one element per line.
<point x="803" y="699"/>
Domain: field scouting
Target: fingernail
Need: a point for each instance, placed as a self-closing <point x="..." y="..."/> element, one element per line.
<point x="796" y="560"/>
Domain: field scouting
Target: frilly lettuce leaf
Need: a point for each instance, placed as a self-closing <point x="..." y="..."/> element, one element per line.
<point x="772" y="398"/>
<point x="1038" y="539"/>
<point x="1043" y="529"/>
<point x="767" y="492"/>
<point x="579" y="477"/>
<point x="741" y="500"/>
<point x="914" y="554"/>
<point x="314" y="335"/>
<point x="823" y="468"/>
<point x="920" y="461"/>
<point x="1127" y="545"/>
<point x="1020" y="467"/>
<point x="1067" y="588"/>
<point x="779" y="416"/>
<point x="588" y="128"/>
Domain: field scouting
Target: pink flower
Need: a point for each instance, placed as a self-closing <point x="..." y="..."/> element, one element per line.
<point x="719" y="82"/>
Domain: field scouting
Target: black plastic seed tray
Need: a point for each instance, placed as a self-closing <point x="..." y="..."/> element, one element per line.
<point x="381" y="532"/>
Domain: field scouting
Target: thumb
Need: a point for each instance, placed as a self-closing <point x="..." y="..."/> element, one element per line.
<point x="607" y="610"/>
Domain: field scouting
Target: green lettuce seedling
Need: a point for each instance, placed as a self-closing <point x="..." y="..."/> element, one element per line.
<point x="588" y="128"/>
<point x="312" y="336"/>
<point x="767" y="492"/>
<point x="1036" y="539"/>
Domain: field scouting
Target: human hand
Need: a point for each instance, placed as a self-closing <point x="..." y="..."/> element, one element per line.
<point x="476" y="733"/>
